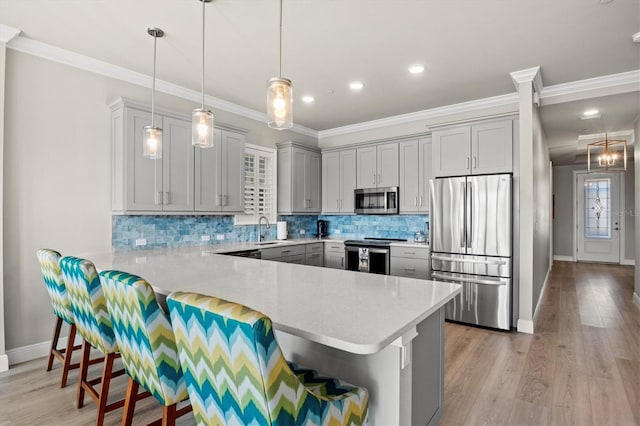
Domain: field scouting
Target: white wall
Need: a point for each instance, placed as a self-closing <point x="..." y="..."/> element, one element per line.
<point x="57" y="174"/>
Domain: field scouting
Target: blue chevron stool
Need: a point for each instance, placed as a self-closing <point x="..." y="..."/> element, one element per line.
<point x="50" y="265"/>
<point x="236" y="373"/>
<point x="92" y="320"/>
<point x="147" y="346"/>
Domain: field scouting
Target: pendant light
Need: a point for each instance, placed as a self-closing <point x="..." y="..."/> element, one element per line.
<point x="608" y="155"/>
<point x="152" y="140"/>
<point x="201" y="118"/>
<point x="280" y="96"/>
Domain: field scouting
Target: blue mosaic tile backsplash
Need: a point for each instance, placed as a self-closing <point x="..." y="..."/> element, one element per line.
<point x="173" y="231"/>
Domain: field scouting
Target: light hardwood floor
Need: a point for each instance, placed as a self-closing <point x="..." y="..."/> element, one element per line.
<point x="581" y="367"/>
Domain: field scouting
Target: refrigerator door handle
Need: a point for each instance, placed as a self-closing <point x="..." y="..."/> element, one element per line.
<point x="469" y="215"/>
<point x="458" y="259"/>
<point x="463" y="194"/>
<point x="467" y="280"/>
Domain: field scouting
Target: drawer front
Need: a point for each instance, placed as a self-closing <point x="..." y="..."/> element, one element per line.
<point x="296" y="258"/>
<point x="314" y="259"/>
<point x="333" y="247"/>
<point x="286" y="251"/>
<point x="334" y="260"/>
<point x="410" y="252"/>
<point x="410" y="268"/>
<point x="315" y="248"/>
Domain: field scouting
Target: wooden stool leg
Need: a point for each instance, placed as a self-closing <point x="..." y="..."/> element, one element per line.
<point x="54" y="343"/>
<point x="68" y="353"/>
<point x="130" y="402"/>
<point x="84" y="366"/>
<point x="104" y="388"/>
<point x="169" y="415"/>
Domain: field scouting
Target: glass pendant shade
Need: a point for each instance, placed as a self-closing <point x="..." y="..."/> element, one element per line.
<point x="279" y="103"/>
<point x="202" y="128"/>
<point x="152" y="144"/>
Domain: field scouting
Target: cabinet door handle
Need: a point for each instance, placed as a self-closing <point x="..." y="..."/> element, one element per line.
<point x="379" y="178"/>
<point x="337" y="204"/>
<point x="475" y="162"/>
<point x="340" y="204"/>
<point x="410" y="269"/>
<point x="374" y="178"/>
<point x="342" y="262"/>
<point x="421" y="201"/>
<point x="409" y="252"/>
<point x="415" y="201"/>
<point x="468" y="163"/>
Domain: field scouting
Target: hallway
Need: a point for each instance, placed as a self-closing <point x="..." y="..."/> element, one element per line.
<point x="581" y="367"/>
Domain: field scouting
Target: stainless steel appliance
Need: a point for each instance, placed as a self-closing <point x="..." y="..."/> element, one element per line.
<point x="471" y="244"/>
<point x="252" y="253"/>
<point x="377" y="200"/>
<point x="368" y="255"/>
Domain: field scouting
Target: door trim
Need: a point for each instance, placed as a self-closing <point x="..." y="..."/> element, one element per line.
<point x="621" y="197"/>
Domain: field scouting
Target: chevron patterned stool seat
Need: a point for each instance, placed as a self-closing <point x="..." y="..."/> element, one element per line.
<point x="50" y="265"/>
<point x="93" y="323"/>
<point x="147" y="345"/>
<point x="236" y="373"/>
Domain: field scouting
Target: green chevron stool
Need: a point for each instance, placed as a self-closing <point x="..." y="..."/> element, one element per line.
<point x="236" y="373"/>
<point x="147" y="346"/>
<point x="92" y="320"/>
<point x="50" y="265"/>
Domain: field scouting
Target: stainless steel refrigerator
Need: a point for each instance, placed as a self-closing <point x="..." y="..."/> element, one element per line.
<point x="471" y="244"/>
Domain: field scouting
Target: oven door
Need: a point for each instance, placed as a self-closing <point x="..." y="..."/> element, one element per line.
<point x="367" y="259"/>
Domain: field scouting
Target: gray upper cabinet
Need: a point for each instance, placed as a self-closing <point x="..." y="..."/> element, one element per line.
<point x="299" y="185"/>
<point x="186" y="179"/>
<point x="219" y="174"/>
<point x="338" y="181"/>
<point x="481" y="148"/>
<point x="377" y="166"/>
<point x="415" y="172"/>
<point x="143" y="185"/>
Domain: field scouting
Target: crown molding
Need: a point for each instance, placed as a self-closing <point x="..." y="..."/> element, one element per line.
<point x="8" y="33"/>
<point x="532" y="75"/>
<point x="463" y="107"/>
<point x="86" y="63"/>
<point x="613" y="84"/>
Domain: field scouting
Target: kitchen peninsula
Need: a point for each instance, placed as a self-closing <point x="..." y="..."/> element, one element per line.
<point x="381" y="332"/>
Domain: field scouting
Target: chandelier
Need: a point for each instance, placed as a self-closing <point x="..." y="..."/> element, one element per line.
<point x="608" y="155"/>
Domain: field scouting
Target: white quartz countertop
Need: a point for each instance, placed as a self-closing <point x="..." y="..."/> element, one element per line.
<point x="352" y="311"/>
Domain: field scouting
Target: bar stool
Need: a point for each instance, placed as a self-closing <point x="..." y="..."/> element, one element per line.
<point x="147" y="346"/>
<point x="49" y="264"/>
<point x="236" y="373"/>
<point x="94" y="325"/>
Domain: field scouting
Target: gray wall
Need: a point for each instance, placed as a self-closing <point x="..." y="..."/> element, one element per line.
<point x="542" y="220"/>
<point x="57" y="175"/>
<point x="636" y="137"/>
<point x="563" y="242"/>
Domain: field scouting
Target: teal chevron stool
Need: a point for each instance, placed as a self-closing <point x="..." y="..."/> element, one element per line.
<point x="92" y="320"/>
<point x="236" y="373"/>
<point x="50" y="265"/>
<point x="147" y="346"/>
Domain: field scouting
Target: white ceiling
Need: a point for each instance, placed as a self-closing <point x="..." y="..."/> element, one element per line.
<point x="469" y="47"/>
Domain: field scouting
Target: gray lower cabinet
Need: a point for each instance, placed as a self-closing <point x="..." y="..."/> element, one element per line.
<point x="410" y="262"/>
<point x="334" y="254"/>
<point x="302" y="254"/>
<point x="314" y="254"/>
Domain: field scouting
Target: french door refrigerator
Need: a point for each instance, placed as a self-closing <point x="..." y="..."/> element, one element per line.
<point x="471" y="244"/>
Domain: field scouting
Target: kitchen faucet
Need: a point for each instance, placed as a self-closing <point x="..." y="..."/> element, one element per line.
<point x="260" y="235"/>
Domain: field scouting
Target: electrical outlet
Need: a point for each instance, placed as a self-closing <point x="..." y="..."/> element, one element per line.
<point x="302" y="232"/>
<point x="220" y="237"/>
<point x="337" y="231"/>
<point x="141" y="242"/>
<point x="205" y="238"/>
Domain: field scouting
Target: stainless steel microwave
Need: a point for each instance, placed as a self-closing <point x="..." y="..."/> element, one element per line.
<point x="377" y="200"/>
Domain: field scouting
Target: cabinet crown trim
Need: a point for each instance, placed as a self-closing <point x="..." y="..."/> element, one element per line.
<point x="288" y="144"/>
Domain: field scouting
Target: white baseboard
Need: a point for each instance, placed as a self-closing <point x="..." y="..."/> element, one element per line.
<point x="563" y="258"/>
<point x="34" y="351"/>
<point x="630" y="262"/>
<point x="4" y="363"/>
<point x="636" y="299"/>
<point x="525" y="326"/>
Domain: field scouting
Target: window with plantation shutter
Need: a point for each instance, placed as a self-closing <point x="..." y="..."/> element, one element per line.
<point x="259" y="185"/>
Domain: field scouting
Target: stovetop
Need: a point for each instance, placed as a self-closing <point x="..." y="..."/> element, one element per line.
<point x="372" y="242"/>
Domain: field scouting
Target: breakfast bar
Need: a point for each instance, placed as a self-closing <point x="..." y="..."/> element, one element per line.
<point x="384" y="333"/>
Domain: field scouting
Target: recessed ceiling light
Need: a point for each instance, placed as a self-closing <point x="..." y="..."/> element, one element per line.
<point x="605" y="1"/>
<point x="416" y="69"/>
<point x="636" y="37"/>
<point x="590" y="112"/>
<point x="356" y="85"/>
<point x="308" y="99"/>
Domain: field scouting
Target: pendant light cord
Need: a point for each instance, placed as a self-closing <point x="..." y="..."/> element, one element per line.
<point x="203" y="4"/>
<point x="153" y="86"/>
<point x="280" y="65"/>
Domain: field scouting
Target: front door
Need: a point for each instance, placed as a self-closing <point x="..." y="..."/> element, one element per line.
<point x="598" y="231"/>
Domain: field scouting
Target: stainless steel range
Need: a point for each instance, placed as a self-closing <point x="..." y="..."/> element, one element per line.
<point x="368" y="255"/>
